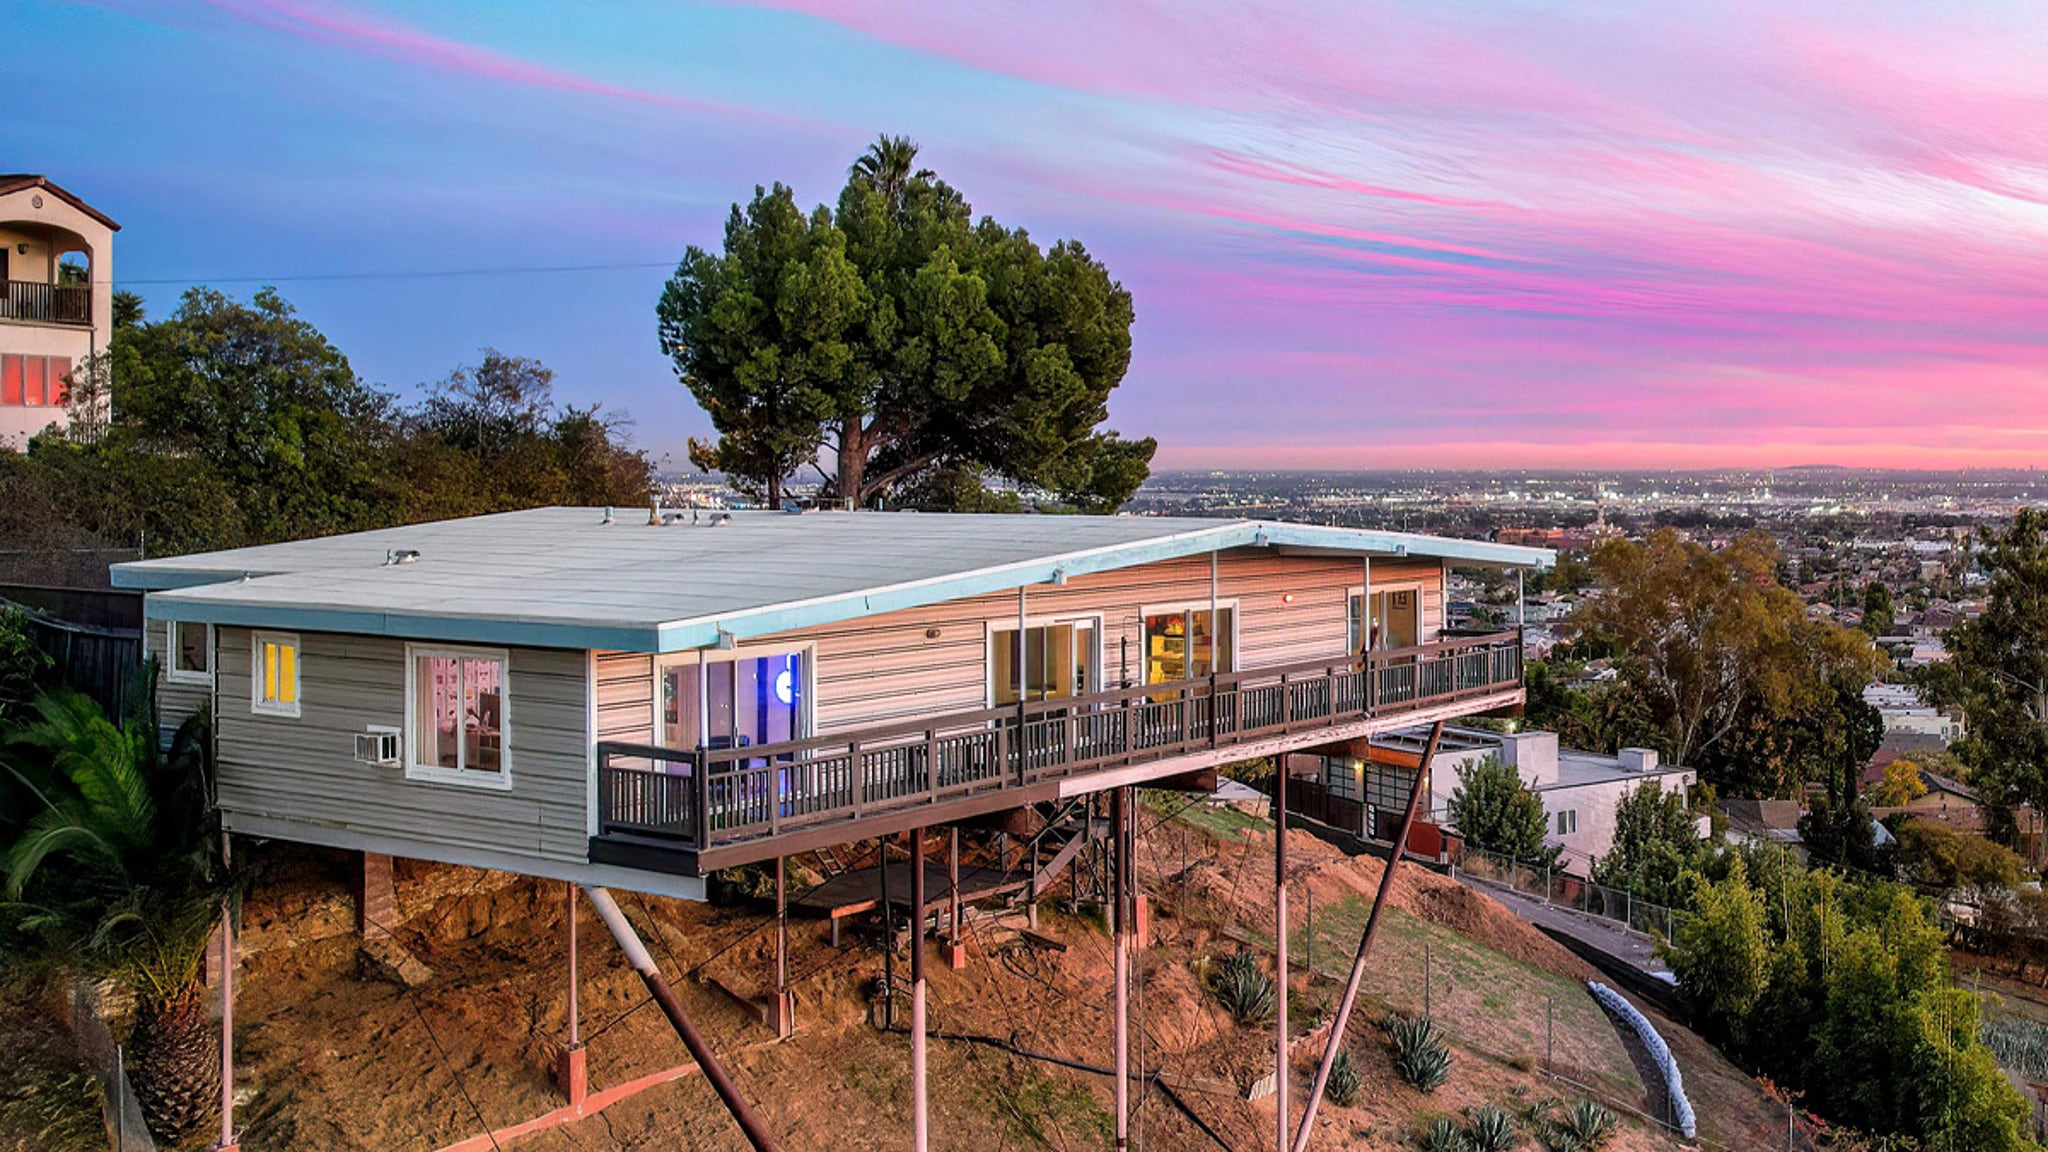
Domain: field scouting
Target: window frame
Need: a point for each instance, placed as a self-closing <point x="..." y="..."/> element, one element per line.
<point x="498" y="781"/>
<point x="1092" y="620"/>
<point x="1170" y="607"/>
<point x="807" y="691"/>
<point x="1358" y="591"/>
<point x="177" y="675"/>
<point x="257" y="704"/>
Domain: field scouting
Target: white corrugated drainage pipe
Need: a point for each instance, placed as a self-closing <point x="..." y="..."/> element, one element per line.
<point x="1674" y="1080"/>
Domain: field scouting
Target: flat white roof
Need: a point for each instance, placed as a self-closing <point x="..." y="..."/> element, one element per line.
<point x="563" y="577"/>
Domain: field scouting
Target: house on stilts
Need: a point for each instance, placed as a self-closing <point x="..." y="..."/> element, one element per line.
<point x="636" y="698"/>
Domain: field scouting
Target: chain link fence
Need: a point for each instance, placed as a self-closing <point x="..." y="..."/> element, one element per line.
<point x="1553" y="886"/>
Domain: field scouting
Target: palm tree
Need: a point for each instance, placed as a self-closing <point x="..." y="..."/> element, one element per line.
<point x="112" y="873"/>
<point x="886" y="167"/>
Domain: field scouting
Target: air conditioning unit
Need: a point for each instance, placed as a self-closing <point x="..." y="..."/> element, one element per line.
<point x="378" y="746"/>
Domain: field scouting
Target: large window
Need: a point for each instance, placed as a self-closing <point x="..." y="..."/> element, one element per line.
<point x="455" y="716"/>
<point x="34" y="381"/>
<point x="737" y="702"/>
<point x="1189" y="643"/>
<point x="274" y="674"/>
<point x="188" y="654"/>
<point x="1396" y="620"/>
<point x="1059" y="660"/>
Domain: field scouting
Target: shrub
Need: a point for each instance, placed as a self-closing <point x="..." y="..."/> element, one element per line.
<point x="1243" y="989"/>
<point x="1589" y="1124"/>
<point x="1420" y="1055"/>
<point x="1344" y="1081"/>
<point x="1440" y="1135"/>
<point x="1491" y="1130"/>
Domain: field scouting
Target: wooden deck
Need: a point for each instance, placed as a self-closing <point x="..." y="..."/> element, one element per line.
<point x="690" y="811"/>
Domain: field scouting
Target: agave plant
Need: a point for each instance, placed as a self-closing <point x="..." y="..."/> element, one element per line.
<point x="1243" y="988"/>
<point x="1440" y="1135"/>
<point x="1558" y="1138"/>
<point x="1421" y="1056"/>
<point x="109" y="849"/>
<point x="1490" y="1130"/>
<point x="1344" y="1081"/>
<point x="1589" y="1124"/>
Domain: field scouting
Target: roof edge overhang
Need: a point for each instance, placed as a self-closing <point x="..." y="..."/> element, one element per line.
<point x="165" y="603"/>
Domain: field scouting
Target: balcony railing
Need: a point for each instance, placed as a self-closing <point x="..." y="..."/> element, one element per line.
<point x="706" y="798"/>
<point x="46" y="303"/>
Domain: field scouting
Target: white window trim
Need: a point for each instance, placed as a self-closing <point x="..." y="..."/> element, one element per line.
<point x="1146" y="611"/>
<point x="499" y="781"/>
<point x="988" y="648"/>
<point x="257" y="704"/>
<point x="702" y="656"/>
<point x="172" y="672"/>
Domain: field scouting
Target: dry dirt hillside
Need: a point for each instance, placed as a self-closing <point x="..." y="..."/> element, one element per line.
<point x="332" y="1060"/>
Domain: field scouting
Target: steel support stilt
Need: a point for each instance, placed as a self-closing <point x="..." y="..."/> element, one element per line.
<point x="1372" y="923"/>
<point x="920" y="1115"/>
<point x="1120" y="929"/>
<point x="1280" y="950"/>
<point x="664" y="996"/>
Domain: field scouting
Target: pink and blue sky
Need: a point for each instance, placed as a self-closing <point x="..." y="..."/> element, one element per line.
<point x="1450" y="233"/>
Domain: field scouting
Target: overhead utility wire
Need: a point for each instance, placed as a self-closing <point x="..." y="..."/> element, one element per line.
<point x="414" y="274"/>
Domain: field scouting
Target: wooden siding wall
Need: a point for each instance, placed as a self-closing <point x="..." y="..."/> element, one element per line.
<point x="176" y="701"/>
<point x="888" y="667"/>
<point x="304" y="768"/>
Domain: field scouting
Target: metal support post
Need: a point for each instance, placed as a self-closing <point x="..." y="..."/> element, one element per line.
<point x="1120" y="927"/>
<point x="714" y="1072"/>
<point x="920" y="1115"/>
<point x="1280" y="972"/>
<point x="1349" y="1000"/>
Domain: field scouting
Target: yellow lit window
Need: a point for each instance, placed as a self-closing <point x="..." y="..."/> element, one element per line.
<point x="275" y="680"/>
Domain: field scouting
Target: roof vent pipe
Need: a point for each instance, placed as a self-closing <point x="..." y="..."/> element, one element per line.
<point x="400" y="556"/>
<point x="609" y="515"/>
<point x="654" y="513"/>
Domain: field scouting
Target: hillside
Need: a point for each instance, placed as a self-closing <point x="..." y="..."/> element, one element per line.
<point x="331" y="1061"/>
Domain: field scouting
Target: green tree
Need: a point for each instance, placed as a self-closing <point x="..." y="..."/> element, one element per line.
<point x="899" y="336"/>
<point x="1734" y="678"/>
<point x="1934" y="855"/>
<point x="1720" y="954"/>
<point x="1877" y="608"/>
<point x="1656" y="842"/>
<point x="112" y="873"/>
<point x="1998" y="673"/>
<point x="763" y="337"/>
<point x="1495" y="812"/>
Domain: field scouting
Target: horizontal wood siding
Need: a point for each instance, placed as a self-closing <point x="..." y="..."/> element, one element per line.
<point x="304" y="769"/>
<point x="933" y="660"/>
<point x="176" y="701"/>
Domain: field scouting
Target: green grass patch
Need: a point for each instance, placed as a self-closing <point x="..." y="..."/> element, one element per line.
<point x="1043" y="1112"/>
<point x="1221" y="821"/>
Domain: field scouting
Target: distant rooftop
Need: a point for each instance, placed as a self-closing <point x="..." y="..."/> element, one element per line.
<point x="564" y="577"/>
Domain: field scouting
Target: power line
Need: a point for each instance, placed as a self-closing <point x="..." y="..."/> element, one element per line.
<point x="413" y="274"/>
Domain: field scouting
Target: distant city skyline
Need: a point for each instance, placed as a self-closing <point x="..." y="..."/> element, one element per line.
<point x="1494" y="233"/>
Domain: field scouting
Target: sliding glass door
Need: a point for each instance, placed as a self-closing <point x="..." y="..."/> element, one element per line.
<point x="738" y="702"/>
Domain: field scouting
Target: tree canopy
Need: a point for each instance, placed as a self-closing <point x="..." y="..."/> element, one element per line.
<point x="1495" y="812"/>
<point x="1997" y="672"/>
<point x="1722" y="665"/>
<point x="896" y="336"/>
<point x="238" y="422"/>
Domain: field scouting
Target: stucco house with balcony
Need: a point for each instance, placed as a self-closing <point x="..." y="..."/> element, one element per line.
<point x="56" y="300"/>
<point x="638" y="698"/>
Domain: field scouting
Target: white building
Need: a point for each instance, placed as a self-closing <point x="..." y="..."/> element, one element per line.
<point x="1904" y="711"/>
<point x="1579" y="789"/>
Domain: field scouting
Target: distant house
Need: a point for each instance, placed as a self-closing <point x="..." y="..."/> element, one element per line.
<point x="56" y="300"/>
<point x="1754" y="823"/>
<point x="1904" y="711"/>
<point x="1366" y="795"/>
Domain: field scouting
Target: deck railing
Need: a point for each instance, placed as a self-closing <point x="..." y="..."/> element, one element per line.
<point x="706" y="797"/>
<point x="45" y="303"/>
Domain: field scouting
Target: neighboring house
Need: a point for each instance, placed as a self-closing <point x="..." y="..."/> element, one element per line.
<point x="1580" y="790"/>
<point x="56" y="300"/>
<point x="1752" y="823"/>
<point x="635" y="700"/>
<point x="1903" y="710"/>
